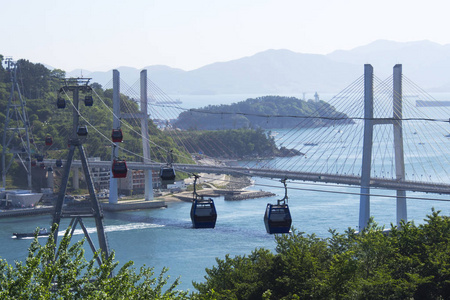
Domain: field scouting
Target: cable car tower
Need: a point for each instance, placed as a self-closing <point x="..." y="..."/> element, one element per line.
<point x="16" y="131"/>
<point x="77" y="85"/>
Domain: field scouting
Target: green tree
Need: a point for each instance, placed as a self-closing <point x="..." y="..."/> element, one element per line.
<point x="407" y="262"/>
<point x="68" y="275"/>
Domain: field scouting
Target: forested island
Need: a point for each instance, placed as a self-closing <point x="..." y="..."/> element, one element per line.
<point x="266" y="112"/>
<point x="233" y="143"/>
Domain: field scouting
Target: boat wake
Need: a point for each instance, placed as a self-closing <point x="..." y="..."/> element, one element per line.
<point x="115" y="228"/>
<point x="110" y="228"/>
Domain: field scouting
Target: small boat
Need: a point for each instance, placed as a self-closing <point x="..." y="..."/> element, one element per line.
<point x="448" y="135"/>
<point x="310" y="144"/>
<point x="42" y="232"/>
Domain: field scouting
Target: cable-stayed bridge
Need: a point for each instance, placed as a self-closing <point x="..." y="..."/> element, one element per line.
<point x="391" y="143"/>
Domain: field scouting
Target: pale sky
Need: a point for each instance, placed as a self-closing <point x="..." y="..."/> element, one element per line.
<point x="99" y="35"/>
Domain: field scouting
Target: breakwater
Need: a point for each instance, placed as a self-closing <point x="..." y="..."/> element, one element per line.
<point x="248" y="195"/>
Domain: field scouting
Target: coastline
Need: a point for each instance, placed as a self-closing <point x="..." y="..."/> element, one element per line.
<point x="231" y="187"/>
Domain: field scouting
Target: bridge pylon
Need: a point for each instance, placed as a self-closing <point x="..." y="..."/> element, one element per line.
<point x="369" y="123"/>
<point x="143" y="116"/>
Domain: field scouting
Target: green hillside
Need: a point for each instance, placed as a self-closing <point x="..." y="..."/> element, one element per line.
<point x="39" y="87"/>
<point x="263" y="112"/>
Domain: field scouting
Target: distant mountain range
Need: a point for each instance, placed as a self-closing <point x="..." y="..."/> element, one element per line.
<point x="277" y="72"/>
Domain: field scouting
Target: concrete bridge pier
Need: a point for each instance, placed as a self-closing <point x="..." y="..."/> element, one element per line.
<point x="76" y="178"/>
<point x="50" y="179"/>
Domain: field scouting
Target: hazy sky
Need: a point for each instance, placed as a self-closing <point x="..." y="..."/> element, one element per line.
<point x="104" y="34"/>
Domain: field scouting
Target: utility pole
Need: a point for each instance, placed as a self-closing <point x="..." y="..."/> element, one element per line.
<point x="77" y="85"/>
<point x="16" y="131"/>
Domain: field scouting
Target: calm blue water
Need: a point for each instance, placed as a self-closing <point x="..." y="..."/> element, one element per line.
<point x="164" y="237"/>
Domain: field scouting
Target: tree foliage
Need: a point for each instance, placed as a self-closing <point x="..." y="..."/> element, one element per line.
<point x="410" y="262"/>
<point x="68" y="275"/>
<point x="233" y="143"/>
<point x="263" y="112"/>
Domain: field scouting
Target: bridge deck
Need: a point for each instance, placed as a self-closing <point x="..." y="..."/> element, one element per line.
<point x="390" y="184"/>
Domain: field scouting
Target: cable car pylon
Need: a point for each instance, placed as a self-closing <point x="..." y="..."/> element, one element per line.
<point x="77" y="85"/>
<point x="15" y="122"/>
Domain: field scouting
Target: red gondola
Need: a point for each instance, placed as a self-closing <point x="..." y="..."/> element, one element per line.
<point x="119" y="169"/>
<point x="117" y="135"/>
<point x="48" y="140"/>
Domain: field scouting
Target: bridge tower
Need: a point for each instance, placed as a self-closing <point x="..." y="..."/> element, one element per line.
<point x="143" y="116"/>
<point x="369" y="122"/>
<point x="145" y="137"/>
<point x="113" y="192"/>
<point x="77" y="85"/>
<point x="16" y="134"/>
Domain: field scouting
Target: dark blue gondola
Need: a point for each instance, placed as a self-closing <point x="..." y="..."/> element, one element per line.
<point x="167" y="175"/>
<point x="82" y="130"/>
<point x="203" y="212"/>
<point x="167" y="172"/>
<point x="277" y="217"/>
<point x="58" y="163"/>
<point x="40" y="158"/>
<point x="88" y="100"/>
<point x="61" y="102"/>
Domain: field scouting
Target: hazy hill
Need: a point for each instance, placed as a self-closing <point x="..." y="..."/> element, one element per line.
<point x="286" y="72"/>
<point x="424" y="62"/>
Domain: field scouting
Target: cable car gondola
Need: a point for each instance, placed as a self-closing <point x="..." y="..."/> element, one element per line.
<point x="117" y="135"/>
<point x="40" y="158"/>
<point x="33" y="163"/>
<point x="119" y="169"/>
<point x="58" y="163"/>
<point x="277" y="217"/>
<point x="167" y="172"/>
<point x="203" y="212"/>
<point x="48" y="140"/>
<point x="61" y="102"/>
<point x="42" y="165"/>
<point x="88" y="100"/>
<point x="82" y="130"/>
